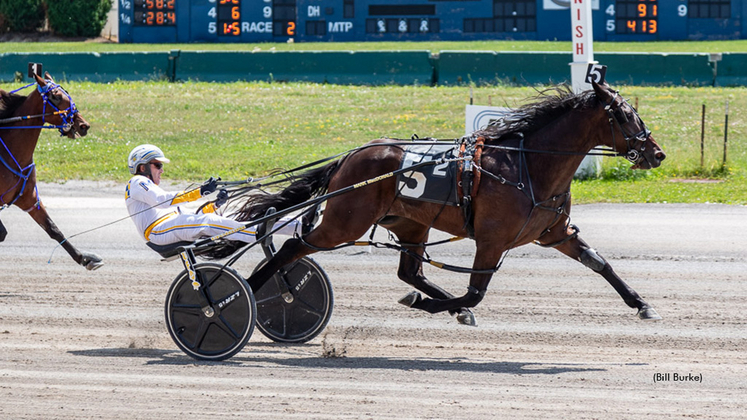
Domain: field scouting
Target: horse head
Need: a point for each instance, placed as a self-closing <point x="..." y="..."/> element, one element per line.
<point x="66" y="115"/>
<point x="629" y="132"/>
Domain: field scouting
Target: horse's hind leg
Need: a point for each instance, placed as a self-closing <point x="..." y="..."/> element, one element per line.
<point x="89" y="261"/>
<point x="326" y="235"/>
<point x="411" y="268"/>
<point x="577" y="249"/>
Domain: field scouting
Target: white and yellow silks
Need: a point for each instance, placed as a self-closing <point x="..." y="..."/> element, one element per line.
<point x="160" y="220"/>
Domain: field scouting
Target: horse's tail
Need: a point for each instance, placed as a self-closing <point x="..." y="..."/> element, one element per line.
<point x="302" y="188"/>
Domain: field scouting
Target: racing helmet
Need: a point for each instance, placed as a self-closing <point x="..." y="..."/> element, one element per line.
<point x="143" y="154"/>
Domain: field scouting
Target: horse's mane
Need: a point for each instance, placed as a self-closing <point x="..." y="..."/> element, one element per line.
<point x="9" y="102"/>
<point x="548" y="105"/>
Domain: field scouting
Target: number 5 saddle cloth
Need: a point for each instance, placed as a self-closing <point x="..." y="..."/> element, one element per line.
<point x="435" y="183"/>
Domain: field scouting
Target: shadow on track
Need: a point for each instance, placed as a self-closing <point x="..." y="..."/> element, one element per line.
<point x="174" y="357"/>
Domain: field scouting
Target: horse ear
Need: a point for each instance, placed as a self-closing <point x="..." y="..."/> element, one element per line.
<point x="48" y="76"/>
<point x="602" y="91"/>
<point x="41" y="82"/>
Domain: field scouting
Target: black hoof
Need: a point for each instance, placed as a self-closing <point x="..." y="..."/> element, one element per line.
<point x="648" y="314"/>
<point x="91" y="262"/>
<point x="466" y="317"/>
<point x="410" y="299"/>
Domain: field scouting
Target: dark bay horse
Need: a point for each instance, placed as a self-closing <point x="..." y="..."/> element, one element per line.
<point x="527" y="164"/>
<point x="21" y="121"/>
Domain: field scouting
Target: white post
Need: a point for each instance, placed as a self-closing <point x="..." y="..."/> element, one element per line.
<point x="583" y="55"/>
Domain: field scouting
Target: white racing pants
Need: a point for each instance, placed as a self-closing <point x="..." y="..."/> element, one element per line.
<point x="179" y="227"/>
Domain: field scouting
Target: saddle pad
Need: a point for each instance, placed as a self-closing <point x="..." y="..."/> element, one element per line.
<point x="432" y="183"/>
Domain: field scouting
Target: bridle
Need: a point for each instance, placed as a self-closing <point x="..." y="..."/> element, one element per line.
<point x="617" y="116"/>
<point x="67" y="115"/>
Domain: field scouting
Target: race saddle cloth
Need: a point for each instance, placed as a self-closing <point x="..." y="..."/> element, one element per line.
<point x="432" y="183"/>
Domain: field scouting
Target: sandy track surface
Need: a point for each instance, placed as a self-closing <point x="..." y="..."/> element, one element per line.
<point x="553" y="339"/>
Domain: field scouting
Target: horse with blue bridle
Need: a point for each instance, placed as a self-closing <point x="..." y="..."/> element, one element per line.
<point x="22" y="119"/>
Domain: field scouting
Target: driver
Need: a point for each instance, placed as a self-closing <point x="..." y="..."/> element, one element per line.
<point x="158" y="216"/>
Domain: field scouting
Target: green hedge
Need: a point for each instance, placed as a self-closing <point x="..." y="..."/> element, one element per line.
<point x="73" y="18"/>
<point x="21" y="15"/>
<point x="78" y="17"/>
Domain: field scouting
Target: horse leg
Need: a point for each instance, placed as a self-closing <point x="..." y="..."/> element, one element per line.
<point x="291" y="251"/>
<point x="89" y="261"/>
<point x="330" y="232"/>
<point x="578" y="250"/>
<point x="3" y="232"/>
<point x="486" y="259"/>
<point x="411" y="268"/>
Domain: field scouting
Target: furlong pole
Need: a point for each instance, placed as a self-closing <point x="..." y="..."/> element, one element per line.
<point x="726" y="131"/>
<point x="702" y="135"/>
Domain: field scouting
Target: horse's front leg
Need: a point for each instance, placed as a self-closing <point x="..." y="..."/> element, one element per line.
<point x="411" y="267"/>
<point x="89" y="261"/>
<point x="484" y="266"/>
<point x="411" y="272"/>
<point x="577" y="249"/>
<point x="475" y="294"/>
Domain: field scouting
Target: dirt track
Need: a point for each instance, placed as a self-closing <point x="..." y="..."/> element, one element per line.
<point x="553" y="339"/>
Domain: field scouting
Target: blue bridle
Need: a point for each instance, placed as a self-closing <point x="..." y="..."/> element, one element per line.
<point x="67" y="115"/>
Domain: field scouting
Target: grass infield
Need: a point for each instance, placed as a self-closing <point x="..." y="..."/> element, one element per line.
<point x="236" y="130"/>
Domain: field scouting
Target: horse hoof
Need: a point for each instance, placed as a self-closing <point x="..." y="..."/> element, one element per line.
<point x="92" y="262"/>
<point x="410" y="299"/>
<point x="648" y="314"/>
<point x="466" y="317"/>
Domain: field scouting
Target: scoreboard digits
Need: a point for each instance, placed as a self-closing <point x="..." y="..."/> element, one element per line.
<point x="177" y="21"/>
<point x="637" y="17"/>
<point x="229" y="17"/>
<point x="155" y="12"/>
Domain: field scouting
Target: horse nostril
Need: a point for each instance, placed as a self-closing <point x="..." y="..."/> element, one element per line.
<point x="661" y="156"/>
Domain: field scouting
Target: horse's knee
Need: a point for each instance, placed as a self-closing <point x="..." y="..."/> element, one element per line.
<point x="407" y="276"/>
<point x="592" y="259"/>
<point x="473" y="297"/>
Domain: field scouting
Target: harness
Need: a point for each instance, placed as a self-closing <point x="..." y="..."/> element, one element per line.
<point x="23" y="173"/>
<point x="468" y="180"/>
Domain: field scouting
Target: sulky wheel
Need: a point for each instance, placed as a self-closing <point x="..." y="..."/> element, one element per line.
<point x="299" y="312"/>
<point x="214" y="322"/>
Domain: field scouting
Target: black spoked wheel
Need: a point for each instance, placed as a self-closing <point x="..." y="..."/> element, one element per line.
<point x="302" y="317"/>
<point x="215" y="321"/>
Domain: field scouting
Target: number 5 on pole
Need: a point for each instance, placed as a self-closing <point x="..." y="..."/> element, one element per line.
<point x="595" y="73"/>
